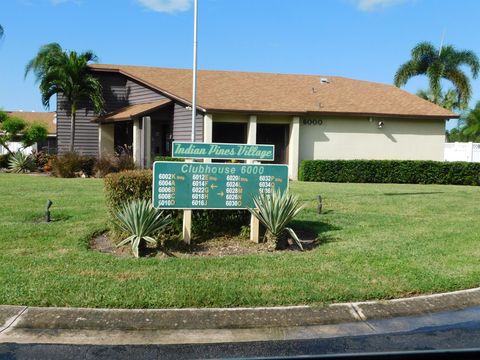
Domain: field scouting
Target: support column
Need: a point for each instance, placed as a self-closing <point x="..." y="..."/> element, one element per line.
<point x="293" y="148"/>
<point x="106" y="139"/>
<point x="254" y="229"/>
<point x="207" y="131"/>
<point x="137" y="142"/>
<point x="252" y="139"/>
<point x="207" y="128"/>
<point x="147" y="142"/>
<point x="187" y="221"/>
<point x="252" y="132"/>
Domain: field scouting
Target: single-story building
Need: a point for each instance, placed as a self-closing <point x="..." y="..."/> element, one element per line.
<point x="304" y="116"/>
<point x="49" y="119"/>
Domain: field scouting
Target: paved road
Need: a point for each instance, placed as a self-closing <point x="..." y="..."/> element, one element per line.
<point x="464" y="335"/>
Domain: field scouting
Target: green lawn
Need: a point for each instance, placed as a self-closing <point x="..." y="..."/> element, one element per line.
<point x="378" y="242"/>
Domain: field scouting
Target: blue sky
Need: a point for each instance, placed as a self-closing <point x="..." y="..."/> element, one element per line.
<point x="361" y="39"/>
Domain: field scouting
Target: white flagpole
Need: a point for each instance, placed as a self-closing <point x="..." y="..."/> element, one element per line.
<point x="194" y="92"/>
<point x="187" y="214"/>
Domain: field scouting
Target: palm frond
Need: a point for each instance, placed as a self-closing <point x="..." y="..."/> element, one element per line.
<point x="405" y="72"/>
<point x="462" y="84"/>
<point x="437" y="65"/>
<point x="424" y="50"/>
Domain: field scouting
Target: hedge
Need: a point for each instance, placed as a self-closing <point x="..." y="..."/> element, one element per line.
<point x="391" y="171"/>
<point x="168" y="158"/>
<point x="4" y="161"/>
<point x="137" y="184"/>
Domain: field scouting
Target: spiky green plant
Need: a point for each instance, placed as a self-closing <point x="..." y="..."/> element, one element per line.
<point x="275" y="211"/>
<point x="142" y="221"/>
<point x="20" y="163"/>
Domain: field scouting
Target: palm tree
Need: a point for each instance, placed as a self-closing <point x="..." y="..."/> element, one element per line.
<point x="438" y="64"/>
<point x="448" y="100"/>
<point x="66" y="73"/>
<point x="471" y="127"/>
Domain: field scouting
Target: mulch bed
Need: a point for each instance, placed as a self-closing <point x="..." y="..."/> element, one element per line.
<point x="219" y="246"/>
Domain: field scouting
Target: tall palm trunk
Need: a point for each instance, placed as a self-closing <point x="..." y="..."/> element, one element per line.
<point x="73" y="111"/>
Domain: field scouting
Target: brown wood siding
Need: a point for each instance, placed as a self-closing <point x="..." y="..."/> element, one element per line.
<point x="139" y="94"/>
<point x="86" y="132"/>
<point x="118" y="91"/>
<point x="182" y="124"/>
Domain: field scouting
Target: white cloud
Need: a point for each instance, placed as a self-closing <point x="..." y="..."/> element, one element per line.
<point x="168" y="6"/>
<point x="372" y="5"/>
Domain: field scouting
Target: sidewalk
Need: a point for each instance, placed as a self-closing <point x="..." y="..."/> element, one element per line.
<point x="180" y="326"/>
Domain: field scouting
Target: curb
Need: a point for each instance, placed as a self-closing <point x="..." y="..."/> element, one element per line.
<point x="35" y="318"/>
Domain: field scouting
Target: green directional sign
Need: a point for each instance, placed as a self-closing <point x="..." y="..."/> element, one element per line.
<point x="191" y="150"/>
<point x="179" y="185"/>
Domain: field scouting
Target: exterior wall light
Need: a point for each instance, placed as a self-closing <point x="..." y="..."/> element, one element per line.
<point x="380" y="124"/>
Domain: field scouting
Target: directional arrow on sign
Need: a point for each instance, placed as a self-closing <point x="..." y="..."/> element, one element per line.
<point x="221" y="193"/>
<point x="213" y="186"/>
<point x="180" y="177"/>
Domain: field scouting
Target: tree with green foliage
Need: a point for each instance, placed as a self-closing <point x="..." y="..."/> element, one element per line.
<point x="471" y="127"/>
<point x="66" y="73"/>
<point x="468" y="127"/>
<point x="14" y="129"/>
<point x="437" y="64"/>
<point x="447" y="100"/>
<point x="1" y="31"/>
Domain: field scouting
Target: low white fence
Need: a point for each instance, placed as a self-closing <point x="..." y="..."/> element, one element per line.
<point x="15" y="146"/>
<point x="457" y="151"/>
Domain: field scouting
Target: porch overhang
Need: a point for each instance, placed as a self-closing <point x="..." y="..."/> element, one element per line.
<point x="132" y="111"/>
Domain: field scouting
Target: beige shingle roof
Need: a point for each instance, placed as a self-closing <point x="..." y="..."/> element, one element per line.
<point x="129" y="112"/>
<point x="46" y="118"/>
<point x="282" y="93"/>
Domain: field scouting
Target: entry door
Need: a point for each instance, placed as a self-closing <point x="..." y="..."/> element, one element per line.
<point x="277" y="135"/>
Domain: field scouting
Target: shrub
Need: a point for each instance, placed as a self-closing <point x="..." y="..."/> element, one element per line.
<point x="126" y="186"/>
<point x="20" y="163"/>
<point x="124" y="161"/>
<point x="275" y="211"/>
<point x="391" y="171"/>
<point x="168" y="158"/>
<point x="137" y="184"/>
<point x="104" y="165"/>
<point x="4" y="161"/>
<point x="141" y="221"/>
<point x="107" y="164"/>
<point x="71" y="164"/>
<point x="41" y="159"/>
<point x="87" y="163"/>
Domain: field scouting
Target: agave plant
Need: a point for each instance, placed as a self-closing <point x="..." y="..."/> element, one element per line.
<point x="21" y="163"/>
<point x="275" y="211"/>
<point x="142" y="221"/>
